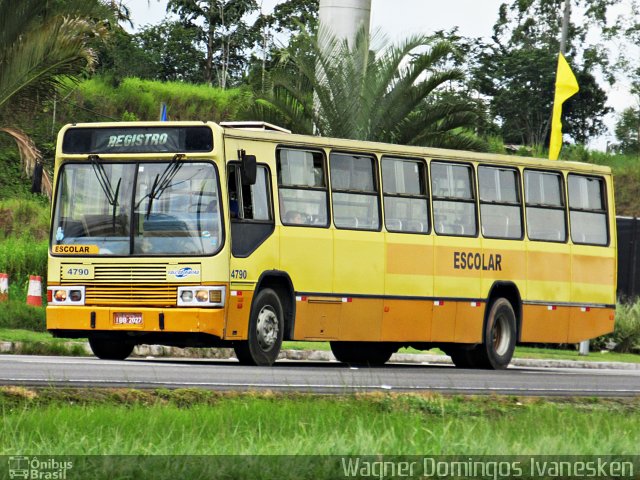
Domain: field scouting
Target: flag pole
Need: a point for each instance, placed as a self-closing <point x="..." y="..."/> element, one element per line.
<point x="584" y="345"/>
<point x="565" y="87"/>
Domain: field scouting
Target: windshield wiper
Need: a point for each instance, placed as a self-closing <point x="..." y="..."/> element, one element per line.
<point x="105" y="184"/>
<point x="163" y="181"/>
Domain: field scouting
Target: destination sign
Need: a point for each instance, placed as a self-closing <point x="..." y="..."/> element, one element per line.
<point x="137" y="140"/>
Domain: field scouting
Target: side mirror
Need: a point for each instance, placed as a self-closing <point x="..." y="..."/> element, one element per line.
<point x="36" y="185"/>
<point x="248" y="168"/>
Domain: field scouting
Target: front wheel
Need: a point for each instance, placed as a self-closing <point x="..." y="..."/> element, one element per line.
<point x="110" y="348"/>
<point x="266" y="327"/>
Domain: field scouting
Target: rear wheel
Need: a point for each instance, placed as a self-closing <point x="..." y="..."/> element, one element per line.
<point x="496" y="351"/>
<point x="372" y="354"/>
<point x="110" y="348"/>
<point x="266" y="327"/>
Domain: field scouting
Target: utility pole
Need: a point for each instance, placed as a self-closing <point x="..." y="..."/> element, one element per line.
<point x="584" y="345"/>
<point x="565" y="27"/>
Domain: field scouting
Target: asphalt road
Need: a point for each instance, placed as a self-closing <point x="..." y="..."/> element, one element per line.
<point x="319" y="377"/>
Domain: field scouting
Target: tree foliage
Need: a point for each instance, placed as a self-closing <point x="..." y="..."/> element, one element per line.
<point x="222" y="31"/>
<point x="391" y="93"/>
<point x="628" y="131"/>
<point x="516" y="71"/>
<point x="43" y="45"/>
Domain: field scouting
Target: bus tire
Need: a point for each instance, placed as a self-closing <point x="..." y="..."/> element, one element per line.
<point x="496" y="351"/>
<point x="370" y="354"/>
<point x="266" y="328"/>
<point x="110" y="348"/>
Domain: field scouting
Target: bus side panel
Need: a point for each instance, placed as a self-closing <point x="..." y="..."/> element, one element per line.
<point x="545" y="323"/>
<point x="407" y="320"/>
<point x="408" y="273"/>
<point x="360" y="320"/>
<point x="238" y="310"/>
<point x="317" y="318"/>
<point x="548" y="286"/>
<point x="306" y="254"/>
<point x="586" y="323"/>
<point x="358" y="269"/>
<point x="592" y="275"/>
<point x="457" y="282"/>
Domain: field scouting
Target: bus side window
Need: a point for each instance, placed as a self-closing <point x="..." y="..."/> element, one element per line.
<point x="302" y="187"/>
<point x="545" y="206"/>
<point x="454" y="205"/>
<point x="355" y="192"/>
<point x="500" y="208"/>
<point x="587" y="210"/>
<point x="406" y="203"/>
<point x="249" y="202"/>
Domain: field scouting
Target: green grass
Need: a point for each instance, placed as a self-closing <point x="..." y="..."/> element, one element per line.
<point x="180" y="422"/>
<point x="136" y="99"/>
<point x="41" y="343"/>
<point x="594" y="356"/>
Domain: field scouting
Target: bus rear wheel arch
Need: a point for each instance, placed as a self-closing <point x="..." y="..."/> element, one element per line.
<point x="266" y="330"/>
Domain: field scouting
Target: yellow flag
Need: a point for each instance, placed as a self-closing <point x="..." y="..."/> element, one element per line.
<point x="566" y="87"/>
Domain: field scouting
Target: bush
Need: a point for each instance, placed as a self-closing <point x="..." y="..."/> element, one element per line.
<point x="627" y="329"/>
<point x="17" y="314"/>
<point x="21" y="257"/>
<point x="136" y="99"/>
<point x="626" y="336"/>
<point x="24" y="217"/>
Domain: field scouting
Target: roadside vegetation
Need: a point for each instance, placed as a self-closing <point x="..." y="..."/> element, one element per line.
<point x="177" y="422"/>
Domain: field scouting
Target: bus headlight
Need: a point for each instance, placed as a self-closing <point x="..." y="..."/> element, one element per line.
<point x="201" y="296"/>
<point x="65" y="295"/>
<point x="60" y="295"/>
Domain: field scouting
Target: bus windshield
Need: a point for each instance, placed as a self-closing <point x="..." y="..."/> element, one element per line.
<point x="169" y="208"/>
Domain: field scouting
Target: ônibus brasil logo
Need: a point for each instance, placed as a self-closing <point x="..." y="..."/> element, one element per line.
<point x="184" y="272"/>
<point x="33" y="468"/>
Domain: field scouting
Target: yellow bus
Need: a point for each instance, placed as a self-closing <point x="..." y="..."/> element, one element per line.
<point x="245" y="235"/>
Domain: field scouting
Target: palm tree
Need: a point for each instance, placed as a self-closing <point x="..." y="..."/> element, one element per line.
<point x="392" y="93"/>
<point x="43" y="45"/>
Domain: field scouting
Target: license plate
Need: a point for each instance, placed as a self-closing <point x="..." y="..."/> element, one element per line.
<point x="122" y="318"/>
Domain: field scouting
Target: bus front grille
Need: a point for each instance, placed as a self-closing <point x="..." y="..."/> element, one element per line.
<point x="130" y="273"/>
<point x="132" y="294"/>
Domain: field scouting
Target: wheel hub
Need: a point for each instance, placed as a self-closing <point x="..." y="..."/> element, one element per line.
<point x="267" y="328"/>
<point x="501" y="335"/>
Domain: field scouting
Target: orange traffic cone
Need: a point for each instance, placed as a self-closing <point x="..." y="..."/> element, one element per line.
<point x="4" y="287"/>
<point x="34" y="295"/>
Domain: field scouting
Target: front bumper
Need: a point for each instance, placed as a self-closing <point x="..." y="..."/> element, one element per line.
<point x="90" y="318"/>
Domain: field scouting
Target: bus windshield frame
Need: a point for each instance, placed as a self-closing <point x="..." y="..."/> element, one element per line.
<point x="138" y="208"/>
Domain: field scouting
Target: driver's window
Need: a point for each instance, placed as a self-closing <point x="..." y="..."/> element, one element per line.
<point x="250" y="202"/>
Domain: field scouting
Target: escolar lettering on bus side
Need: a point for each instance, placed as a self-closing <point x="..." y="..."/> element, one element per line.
<point x="477" y="261"/>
